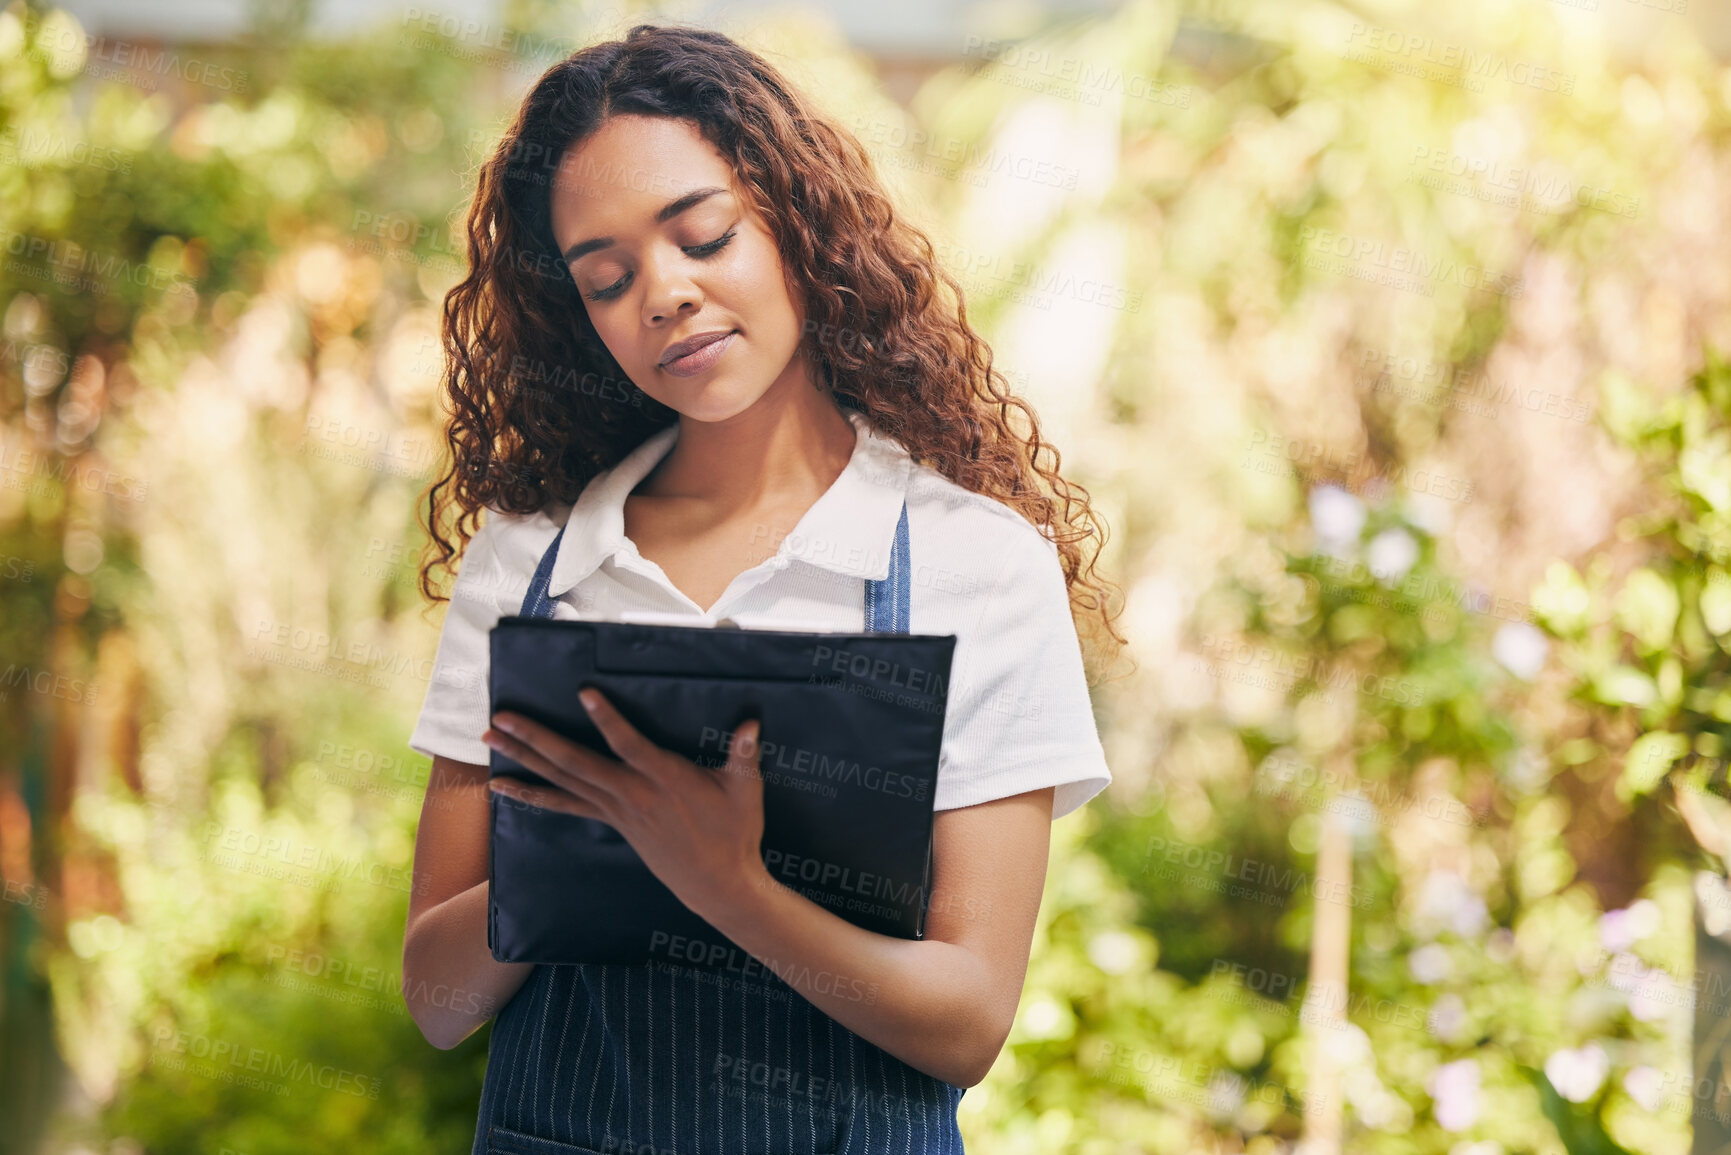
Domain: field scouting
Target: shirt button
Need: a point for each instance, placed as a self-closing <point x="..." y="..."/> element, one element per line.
<point x="727" y="624"/>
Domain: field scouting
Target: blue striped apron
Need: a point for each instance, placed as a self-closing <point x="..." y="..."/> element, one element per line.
<point x="660" y="1059"/>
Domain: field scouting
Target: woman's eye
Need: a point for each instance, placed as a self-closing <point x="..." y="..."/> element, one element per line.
<point x="712" y="247"/>
<point x="609" y="292"/>
<point x="707" y="249"/>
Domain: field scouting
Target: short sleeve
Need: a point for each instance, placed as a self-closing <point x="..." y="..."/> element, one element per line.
<point x="454" y="714"/>
<point x="1019" y="715"/>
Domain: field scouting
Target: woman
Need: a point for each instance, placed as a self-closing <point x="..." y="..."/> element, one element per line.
<point x="700" y="368"/>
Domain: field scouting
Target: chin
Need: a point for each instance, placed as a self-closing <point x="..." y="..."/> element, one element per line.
<point x="712" y="401"/>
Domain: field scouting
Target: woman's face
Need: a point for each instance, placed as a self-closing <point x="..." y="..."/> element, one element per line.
<point x="664" y="248"/>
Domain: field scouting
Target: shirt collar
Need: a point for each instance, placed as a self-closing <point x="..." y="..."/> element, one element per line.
<point x="849" y="530"/>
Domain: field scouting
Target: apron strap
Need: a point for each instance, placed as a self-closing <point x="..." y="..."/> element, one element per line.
<point x="536" y="603"/>
<point x="886" y="601"/>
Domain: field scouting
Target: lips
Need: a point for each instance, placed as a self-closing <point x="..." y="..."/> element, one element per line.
<point x="691" y="345"/>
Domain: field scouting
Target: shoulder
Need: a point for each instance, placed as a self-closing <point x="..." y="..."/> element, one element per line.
<point x="502" y="553"/>
<point x="949" y="519"/>
<point x="506" y="535"/>
<point x="978" y="532"/>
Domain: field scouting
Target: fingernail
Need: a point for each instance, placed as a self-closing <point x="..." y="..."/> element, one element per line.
<point x="506" y="724"/>
<point x="587" y="697"/>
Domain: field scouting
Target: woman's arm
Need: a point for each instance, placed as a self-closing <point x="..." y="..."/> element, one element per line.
<point x="450" y="979"/>
<point x="943" y="1004"/>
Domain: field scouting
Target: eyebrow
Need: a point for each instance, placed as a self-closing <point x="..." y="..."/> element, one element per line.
<point x="668" y="211"/>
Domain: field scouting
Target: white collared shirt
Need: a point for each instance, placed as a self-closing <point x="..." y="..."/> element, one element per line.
<point x="1019" y="716"/>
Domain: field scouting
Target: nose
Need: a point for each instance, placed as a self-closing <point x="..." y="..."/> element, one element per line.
<point x="668" y="289"/>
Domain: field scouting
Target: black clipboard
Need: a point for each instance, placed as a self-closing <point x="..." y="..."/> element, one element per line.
<point x="851" y="730"/>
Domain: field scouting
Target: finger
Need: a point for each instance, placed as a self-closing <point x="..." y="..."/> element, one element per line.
<point x="545" y="797"/>
<point x="542" y="798"/>
<point x="543" y="739"/>
<point x="561" y="761"/>
<point x="745" y="752"/>
<point x="625" y="739"/>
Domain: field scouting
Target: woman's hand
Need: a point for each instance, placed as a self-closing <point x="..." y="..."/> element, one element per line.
<point x="699" y="830"/>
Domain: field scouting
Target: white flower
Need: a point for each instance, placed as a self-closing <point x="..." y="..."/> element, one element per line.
<point x="1454" y="1088"/>
<point x="1471" y="915"/>
<point x="1446" y="901"/>
<point x="1615" y="934"/>
<point x="1391" y="554"/>
<point x="1621" y="929"/>
<point x="1645" y="1085"/>
<point x="1430" y="963"/>
<point x="1225" y="1094"/>
<point x="1347" y="1045"/>
<point x="1521" y="648"/>
<point x="1655" y="995"/>
<point x="1447" y="1018"/>
<point x="1429" y="512"/>
<point x="1644" y="916"/>
<point x="1527" y="770"/>
<point x="1338" y="517"/>
<point x="1576" y="1074"/>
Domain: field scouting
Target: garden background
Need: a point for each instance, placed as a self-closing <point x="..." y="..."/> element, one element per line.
<point x="1386" y="335"/>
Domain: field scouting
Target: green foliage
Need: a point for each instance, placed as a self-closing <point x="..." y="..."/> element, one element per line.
<point x="262" y="264"/>
<point x="144" y="230"/>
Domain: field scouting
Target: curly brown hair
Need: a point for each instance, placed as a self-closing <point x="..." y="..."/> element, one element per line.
<point x="539" y="406"/>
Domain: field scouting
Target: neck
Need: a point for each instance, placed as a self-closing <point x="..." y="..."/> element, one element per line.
<point x="792" y="443"/>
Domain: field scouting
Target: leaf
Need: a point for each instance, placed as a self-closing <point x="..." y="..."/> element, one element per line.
<point x="1577" y="1126"/>
<point x="1625" y="408"/>
<point x="1650" y="756"/>
<point x="1707" y="816"/>
<point x="1716" y="601"/>
<point x="1704" y="471"/>
<point x="1647" y="607"/>
<point x="1625" y="685"/>
<point x="1562" y="601"/>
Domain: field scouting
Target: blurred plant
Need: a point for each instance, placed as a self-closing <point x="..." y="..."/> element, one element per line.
<point x="208" y="291"/>
<point x="1259" y="410"/>
<point x="1647" y="650"/>
<point x="1344" y="674"/>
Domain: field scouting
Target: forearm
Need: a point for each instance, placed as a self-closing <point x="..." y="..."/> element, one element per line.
<point x="923" y="1001"/>
<point x="451" y="981"/>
